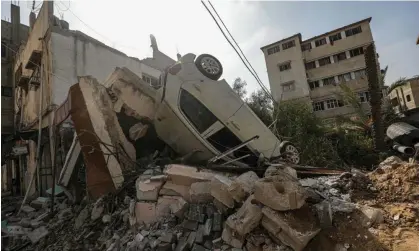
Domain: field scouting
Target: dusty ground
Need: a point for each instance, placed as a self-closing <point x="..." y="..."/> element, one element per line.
<point x="396" y="193"/>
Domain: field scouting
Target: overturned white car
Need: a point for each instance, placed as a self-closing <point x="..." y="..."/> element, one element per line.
<point x="194" y="112"/>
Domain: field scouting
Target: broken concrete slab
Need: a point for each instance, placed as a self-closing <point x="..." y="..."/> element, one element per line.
<point x="243" y="186"/>
<point x="200" y="192"/>
<point x="372" y="216"/>
<point x="38" y="234"/>
<point x="164" y="203"/>
<point x="186" y="175"/>
<point x="231" y="238"/>
<point x="279" y="195"/>
<point x="145" y="212"/>
<point x="219" y="190"/>
<point x="246" y="218"/>
<point x="171" y="189"/>
<point x="148" y="190"/>
<point x="293" y="228"/>
<point x="281" y="169"/>
<point x="324" y="214"/>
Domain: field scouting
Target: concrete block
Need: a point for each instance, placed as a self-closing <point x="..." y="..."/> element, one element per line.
<point x="294" y="229"/>
<point x="145" y="212"/>
<point x="179" y="207"/>
<point x="246" y="218"/>
<point x="243" y="186"/>
<point x="279" y="195"/>
<point x="200" y="192"/>
<point x="219" y="190"/>
<point x="171" y="189"/>
<point x="163" y="207"/>
<point x="186" y="175"/>
<point x="231" y="238"/>
<point x="148" y="190"/>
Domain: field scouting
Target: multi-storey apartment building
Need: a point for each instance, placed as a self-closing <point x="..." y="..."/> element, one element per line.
<point x="312" y="69"/>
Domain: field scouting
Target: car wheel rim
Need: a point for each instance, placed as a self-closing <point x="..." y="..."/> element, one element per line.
<point x="210" y="65"/>
<point x="291" y="154"/>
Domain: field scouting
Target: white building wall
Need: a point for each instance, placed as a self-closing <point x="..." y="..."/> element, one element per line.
<point x="76" y="55"/>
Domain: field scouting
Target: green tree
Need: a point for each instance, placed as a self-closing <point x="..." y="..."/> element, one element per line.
<point x="239" y="86"/>
<point x="261" y="105"/>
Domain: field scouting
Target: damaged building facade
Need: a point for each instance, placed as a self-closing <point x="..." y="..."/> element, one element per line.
<point x="45" y="69"/>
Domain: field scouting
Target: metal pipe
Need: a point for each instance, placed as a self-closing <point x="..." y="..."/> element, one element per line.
<point x="233" y="149"/>
<point x="404" y="149"/>
<point x="234" y="160"/>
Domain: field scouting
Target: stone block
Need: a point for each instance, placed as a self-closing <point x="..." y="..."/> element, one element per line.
<point x="200" y="234"/>
<point x="145" y="212"/>
<point x="200" y="192"/>
<point x="283" y="170"/>
<point x="243" y="186"/>
<point x="196" y="213"/>
<point x="164" y="203"/>
<point x="207" y="227"/>
<point x="190" y="225"/>
<point x="148" y="190"/>
<point x="280" y="195"/>
<point x="219" y="190"/>
<point x="171" y="189"/>
<point x="246" y="218"/>
<point x="231" y="238"/>
<point x="186" y="175"/>
<point x="293" y="228"/>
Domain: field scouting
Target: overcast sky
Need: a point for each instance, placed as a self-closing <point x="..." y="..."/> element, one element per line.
<point x="185" y="26"/>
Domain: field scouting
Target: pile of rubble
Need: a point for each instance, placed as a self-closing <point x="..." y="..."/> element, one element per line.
<point x="180" y="207"/>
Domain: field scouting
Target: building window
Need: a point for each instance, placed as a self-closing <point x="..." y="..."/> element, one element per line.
<point x="408" y="98"/>
<point x="288" y="45"/>
<point x="273" y="50"/>
<point x="356" y="52"/>
<point x="324" y="61"/>
<point x="196" y="112"/>
<point x="353" y="31"/>
<point x="360" y="74"/>
<point x="284" y="67"/>
<point x="150" y="80"/>
<point x="318" y="106"/>
<point x="310" y="65"/>
<point x="339" y="57"/>
<point x="335" y="37"/>
<point x="364" y="97"/>
<point x="333" y="103"/>
<point x="314" y="84"/>
<point x="287" y="87"/>
<point x="3" y="50"/>
<point x="305" y="47"/>
<point x="329" y="81"/>
<point x="344" y="77"/>
<point x="6" y="91"/>
<point x="320" y="42"/>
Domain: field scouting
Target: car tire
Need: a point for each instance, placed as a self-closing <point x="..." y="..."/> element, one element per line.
<point x="290" y="153"/>
<point x="210" y="66"/>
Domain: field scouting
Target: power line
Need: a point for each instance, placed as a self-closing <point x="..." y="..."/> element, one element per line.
<point x="228" y="31"/>
<point x="225" y="36"/>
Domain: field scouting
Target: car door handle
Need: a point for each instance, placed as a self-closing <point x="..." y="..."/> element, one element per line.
<point x="234" y="124"/>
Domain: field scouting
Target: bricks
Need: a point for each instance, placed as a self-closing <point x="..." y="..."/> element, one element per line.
<point x="243" y="186"/>
<point x="279" y="195"/>
<point x="186" y="175"/>
<point x="200" y="192"/>
<point x="246" y="218"/>
<point x="148" y="190"/>
<point x="219" y="190"/>
<point x="294" y="229"/>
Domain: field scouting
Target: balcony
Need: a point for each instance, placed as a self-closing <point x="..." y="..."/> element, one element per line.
<point x="34" y="60"/>
<point x="21" y="79"/>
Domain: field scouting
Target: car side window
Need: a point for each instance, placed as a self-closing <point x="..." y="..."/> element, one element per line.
<point x="196" y="112"/>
